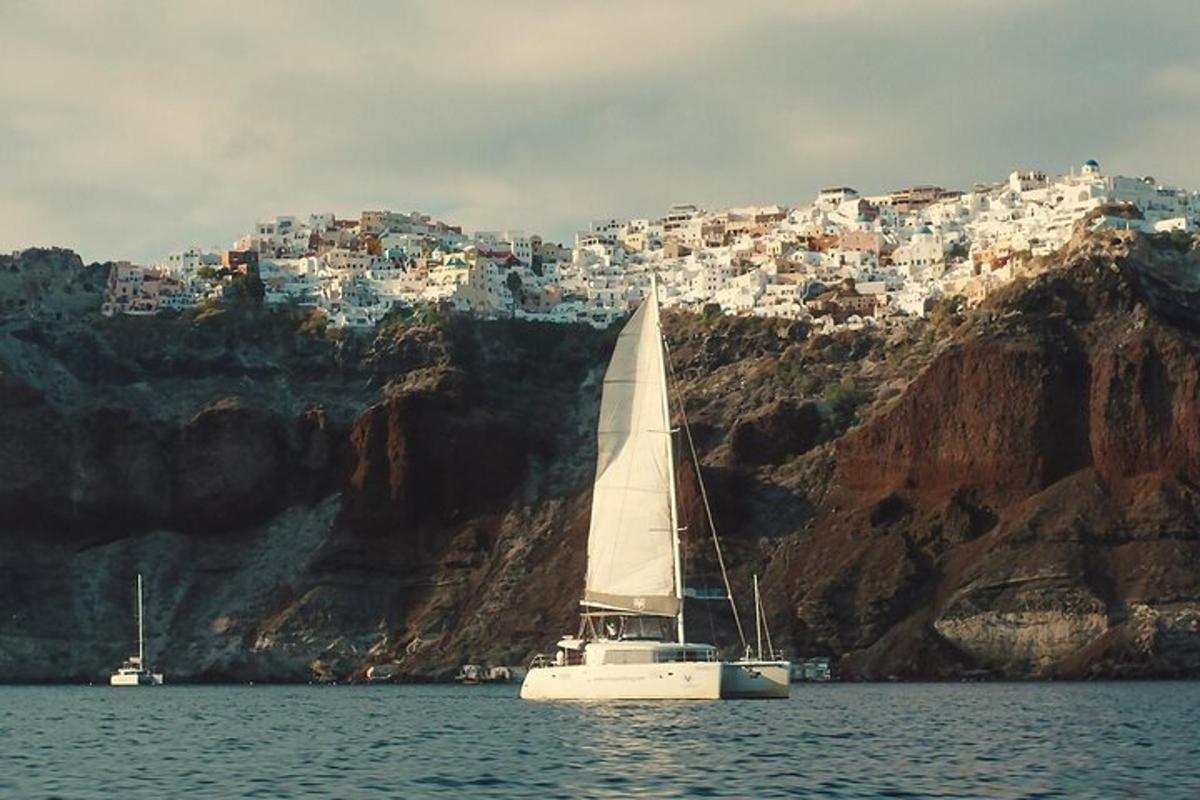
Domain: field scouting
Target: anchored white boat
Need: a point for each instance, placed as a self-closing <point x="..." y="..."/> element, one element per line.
<point x="134" y="671"/>
<point x="627" y="647"/>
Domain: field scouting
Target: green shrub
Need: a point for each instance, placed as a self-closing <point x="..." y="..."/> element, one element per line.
<point x="315" y="324"/>
<point x="844" y="399"/>
<point x="246" y="290"/>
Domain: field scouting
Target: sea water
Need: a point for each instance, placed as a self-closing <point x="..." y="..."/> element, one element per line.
<point x="1103" y="740"/>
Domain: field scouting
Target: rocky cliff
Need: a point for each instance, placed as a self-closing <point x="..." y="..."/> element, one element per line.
<point x="1006" y="491"/>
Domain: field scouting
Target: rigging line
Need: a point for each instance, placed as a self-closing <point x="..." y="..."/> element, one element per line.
<point x="766" y="627"/>
<point x="712" y="525"/>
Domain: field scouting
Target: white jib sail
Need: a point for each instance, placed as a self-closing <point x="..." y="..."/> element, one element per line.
<point x="630" y="543"/>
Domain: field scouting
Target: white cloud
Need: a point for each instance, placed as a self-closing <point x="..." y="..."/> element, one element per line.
<point x="1180" y="81"/>
<point x="127" y="129"/>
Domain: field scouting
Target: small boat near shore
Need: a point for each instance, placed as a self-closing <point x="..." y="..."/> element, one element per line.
<point x="133" y="672"/>
<point x="812" y="670"/>
<point x="475" y="674"/>
<point x="469" y="675"/>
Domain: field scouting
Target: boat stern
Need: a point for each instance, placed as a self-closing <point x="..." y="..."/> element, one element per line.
<point x="756" y="680"/>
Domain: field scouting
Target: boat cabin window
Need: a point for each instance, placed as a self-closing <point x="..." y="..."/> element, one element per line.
<point x="651" y="656"/>
<point x="628" y="657"/>
<point x="684" y="654"/>
<point x="649" y="628"/>
<point x="630" y="628"/>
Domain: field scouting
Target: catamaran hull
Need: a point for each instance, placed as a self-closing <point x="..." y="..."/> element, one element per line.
<point x="708" y="680"/>
<point x="756" y="680"/>
<point x="142" y="679"/>
<point x="677" y="681"/>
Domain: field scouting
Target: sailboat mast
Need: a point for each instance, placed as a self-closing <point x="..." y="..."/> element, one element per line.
<point x="141" y="632"/>
<point x="666" y="402"/>
<point x="757" y="617"/>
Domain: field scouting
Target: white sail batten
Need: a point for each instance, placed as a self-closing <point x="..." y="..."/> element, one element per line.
<point x="631" y="541"/>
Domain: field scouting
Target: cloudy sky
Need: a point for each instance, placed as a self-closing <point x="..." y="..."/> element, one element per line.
<point x="131" y="129"/>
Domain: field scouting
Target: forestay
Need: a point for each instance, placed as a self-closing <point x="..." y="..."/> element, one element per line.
<point x="630" y="542"/>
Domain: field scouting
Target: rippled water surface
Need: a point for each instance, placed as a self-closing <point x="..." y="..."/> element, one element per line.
<point x="962" y="740"/>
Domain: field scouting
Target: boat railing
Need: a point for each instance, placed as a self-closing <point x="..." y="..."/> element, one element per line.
<point x="564" y="658"/>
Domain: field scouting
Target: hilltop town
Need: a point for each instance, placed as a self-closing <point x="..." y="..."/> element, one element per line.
<point x="843" y="260"/>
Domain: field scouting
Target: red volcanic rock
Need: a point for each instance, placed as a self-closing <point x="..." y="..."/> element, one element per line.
<point x="228" y="467"/>
<point x="430" y="454"/>
<point x="1145" y="410"/>
<point x="781" y="430"/>
<point x="384" y="483"/>
<point x="1041" y="473"/>
<point x="1004" y="417"/>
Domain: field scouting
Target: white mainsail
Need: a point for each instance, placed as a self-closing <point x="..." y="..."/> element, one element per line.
<point x="631" y="543"/>
<point x="634" y="557"/>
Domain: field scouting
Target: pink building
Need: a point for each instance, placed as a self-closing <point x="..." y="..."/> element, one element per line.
<point x="862" y="242"/>
<point x="133" y="290"/>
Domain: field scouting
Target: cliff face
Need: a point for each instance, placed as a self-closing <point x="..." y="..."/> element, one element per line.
<point x="1009" y="492"/>
<point x="300" y="505"/>
<point x="1033" y="492"/>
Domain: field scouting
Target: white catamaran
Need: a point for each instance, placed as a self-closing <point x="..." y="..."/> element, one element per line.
<point x="626" y="647"/>
<point x="134" y="671"/>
